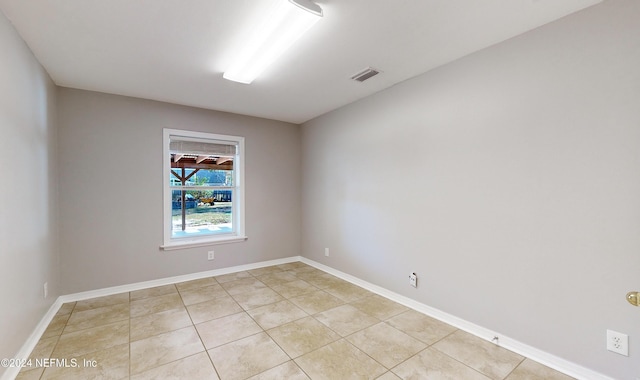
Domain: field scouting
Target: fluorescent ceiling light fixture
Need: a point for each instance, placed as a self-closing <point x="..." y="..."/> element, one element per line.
<point x="288" y="21"/>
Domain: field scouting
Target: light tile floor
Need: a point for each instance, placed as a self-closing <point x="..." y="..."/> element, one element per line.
<point x="289" y="321"/>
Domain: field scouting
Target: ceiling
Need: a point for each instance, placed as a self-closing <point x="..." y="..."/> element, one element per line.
<point x="177" y="50"/>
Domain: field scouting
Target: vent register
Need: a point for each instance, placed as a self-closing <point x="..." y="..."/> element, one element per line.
<point x="365" y="74"/>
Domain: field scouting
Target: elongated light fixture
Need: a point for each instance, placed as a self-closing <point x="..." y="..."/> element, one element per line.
<point x="288" y="21"/>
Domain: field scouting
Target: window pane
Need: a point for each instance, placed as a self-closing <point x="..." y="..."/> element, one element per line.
<point x="202" y="174"/>
<point x="206" y="212"/>
<point x="176" y="180"/>
<point x="201" y="177"/>
<point x="207" y="177"/>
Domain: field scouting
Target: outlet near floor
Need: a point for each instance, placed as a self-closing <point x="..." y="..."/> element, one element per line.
<point x="413" y="280"/>
<point x="618" y="342"/>
<point x="210" y="255"/>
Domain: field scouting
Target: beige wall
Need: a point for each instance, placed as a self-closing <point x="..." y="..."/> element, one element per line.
<point x="111" y="190"/>
<point x="28" y="254"/>
<point x="509" y="181"/>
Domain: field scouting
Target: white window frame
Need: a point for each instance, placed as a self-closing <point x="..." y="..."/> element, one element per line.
<point x="238" y="219"/>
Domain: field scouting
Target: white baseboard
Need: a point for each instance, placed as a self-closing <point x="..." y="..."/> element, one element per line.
<point x="545" y="358"/>
<point x="172" y="280"/>
<point x="552" y="361"/>
<point x="33" y="339"/>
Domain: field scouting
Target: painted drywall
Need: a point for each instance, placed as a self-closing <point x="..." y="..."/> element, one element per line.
<point x="28" y="254"/>
<point x="507" y="180"/>
<point x="111" y="190"/>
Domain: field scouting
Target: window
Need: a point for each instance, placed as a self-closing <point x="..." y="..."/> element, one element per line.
<point x="203" y="188"/>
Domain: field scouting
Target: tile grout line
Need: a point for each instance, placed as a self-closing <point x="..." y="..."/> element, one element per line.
<point x="198" y="332"/>
<point x="293" y="321"/>
<point x="340" y="335"/>
<point x="129" y="295"/>
<point x="192" y="325"/>
<point x="514" y="368"/>
<point x="263" y="330"/>
<point x="58" y="338"/>
<point x="465" y="364"/>
<point x="307" y="315"/>
<point x="245" y="311"/>
<point x="191" y="319"/>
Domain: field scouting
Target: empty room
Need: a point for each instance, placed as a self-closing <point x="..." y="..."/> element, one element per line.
<point x="298" y="189"/>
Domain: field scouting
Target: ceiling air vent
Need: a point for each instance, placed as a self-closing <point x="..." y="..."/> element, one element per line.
<point x="365" y="74"/>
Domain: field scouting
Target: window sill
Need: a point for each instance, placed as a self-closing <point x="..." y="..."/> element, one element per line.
<point x="201" y="243"/>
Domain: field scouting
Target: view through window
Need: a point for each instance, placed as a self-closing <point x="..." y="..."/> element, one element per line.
<point x="204" y="194"/>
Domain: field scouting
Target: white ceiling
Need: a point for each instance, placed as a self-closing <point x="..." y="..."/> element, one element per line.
<point x="177" y="50"/>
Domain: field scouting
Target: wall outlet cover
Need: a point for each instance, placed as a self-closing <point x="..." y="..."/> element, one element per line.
<point x="618" y="342"/>
<point x="413" y="280"/>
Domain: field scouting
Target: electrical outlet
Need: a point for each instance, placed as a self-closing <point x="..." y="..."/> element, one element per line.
<point x="210" y="255"/>
<point x="413" y="280"/>
<point x="618" y="342"/>
<point x="326" y="252"/>
<point x="46" y="289"/>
